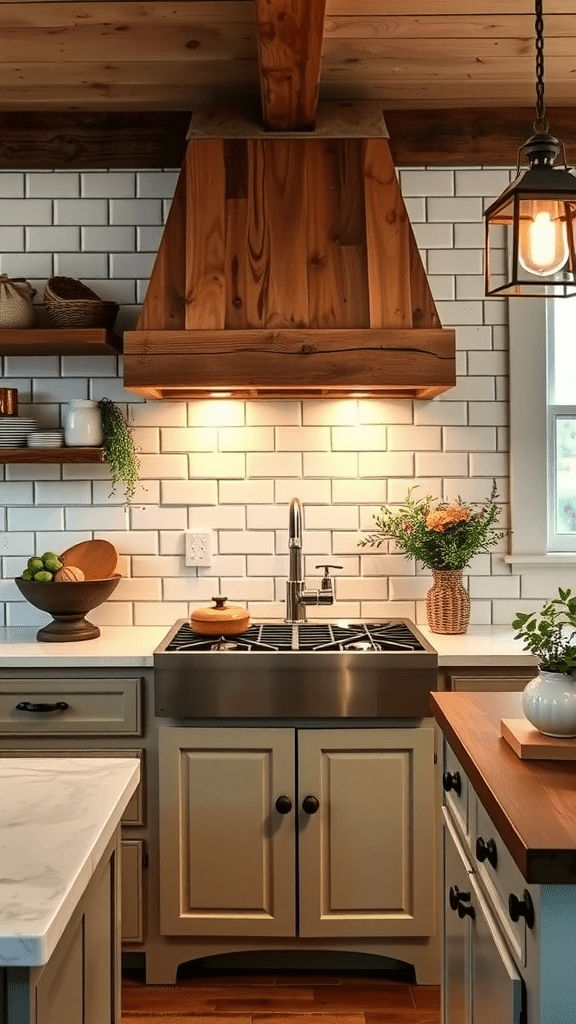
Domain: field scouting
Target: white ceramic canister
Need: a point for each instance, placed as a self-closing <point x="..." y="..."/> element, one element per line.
<point x="549" y="703"/>
<point x="82" y="424"/>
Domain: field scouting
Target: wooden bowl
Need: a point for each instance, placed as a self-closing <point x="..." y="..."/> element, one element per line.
<point x="68" y="603"/>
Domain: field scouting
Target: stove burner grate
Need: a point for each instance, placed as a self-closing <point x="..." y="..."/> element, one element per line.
<point x="301" y="636"/>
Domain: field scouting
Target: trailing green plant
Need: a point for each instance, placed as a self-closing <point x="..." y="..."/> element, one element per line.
<point x="551" y="634"/>
<point x="442" y="535"/>
<point x="119" y="449"/>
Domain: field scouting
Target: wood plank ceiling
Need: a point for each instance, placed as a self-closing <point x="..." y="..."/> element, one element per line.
<point x="114" y="81"/>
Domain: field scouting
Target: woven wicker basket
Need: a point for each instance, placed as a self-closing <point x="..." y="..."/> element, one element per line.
<point x="70" y="303"/>
<point x="448" y="602"/>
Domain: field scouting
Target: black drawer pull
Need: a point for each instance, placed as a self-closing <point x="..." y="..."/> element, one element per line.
<point x="41" y="709"/>
<point x="486" y="851"/>
<point x="456" y="897"/>
<point x="524" y="907"/>
<point x="310" y="804"/>
<point x="452" y="780"/>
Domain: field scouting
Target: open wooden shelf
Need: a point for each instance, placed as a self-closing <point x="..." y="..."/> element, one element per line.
<point x="53" y="341"/>
<point x="52" y="455"/>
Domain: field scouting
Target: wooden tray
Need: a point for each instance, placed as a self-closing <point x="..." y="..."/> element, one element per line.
<point x="529" y="744"/>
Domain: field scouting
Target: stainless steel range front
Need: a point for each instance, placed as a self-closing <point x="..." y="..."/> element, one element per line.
<point x="299" y="669"/>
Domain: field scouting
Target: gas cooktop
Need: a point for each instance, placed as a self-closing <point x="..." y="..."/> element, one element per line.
<point x="296" y="670"/>
<point x="302" y="636"/>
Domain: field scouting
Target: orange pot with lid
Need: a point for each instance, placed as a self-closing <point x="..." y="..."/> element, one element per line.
<point x="221" y="618"/>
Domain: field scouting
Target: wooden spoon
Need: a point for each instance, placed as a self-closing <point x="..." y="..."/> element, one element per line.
<point x="97" y="558"/>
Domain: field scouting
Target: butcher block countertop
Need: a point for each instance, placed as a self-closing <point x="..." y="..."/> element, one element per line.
<point x="532" y="803"/>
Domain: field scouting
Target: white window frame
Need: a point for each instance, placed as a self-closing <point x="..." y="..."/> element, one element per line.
<point x="529" y="480"/>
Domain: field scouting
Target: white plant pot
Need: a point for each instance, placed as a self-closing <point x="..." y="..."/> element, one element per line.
<point x="549" y="703"/>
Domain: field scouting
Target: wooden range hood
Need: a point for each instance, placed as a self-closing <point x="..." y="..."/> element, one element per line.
<point x="288" y="269"/>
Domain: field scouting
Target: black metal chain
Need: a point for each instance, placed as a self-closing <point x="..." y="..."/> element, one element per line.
<point x="541" y="123"/>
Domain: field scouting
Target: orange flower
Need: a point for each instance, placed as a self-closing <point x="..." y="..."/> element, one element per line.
<point x="441" y="518"/>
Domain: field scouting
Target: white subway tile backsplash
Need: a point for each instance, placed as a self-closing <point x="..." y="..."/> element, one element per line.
<point x="246" y="492"/>
<point x="360" y="491"/>
<point x="303" y="439"/>
<point x="108" y="239"/>
<point x="189" y="492"/>
<point x="318" y="491"/>
<point x="11" y="186"/>
<point x="63" y="492"/>
<point x="11" y="240"/>
<point x="409" y="439"/>
<point x="107" y="184"/>
<point x="188" y="439"/>
<point x="275" y="464"/>
<point x="330" y="464"/>
<point x="385" y="464"/>
<point x="81" y="211"/>
<point x="135" y="211"/>
<point x="469" y="439"/>
<point x="375" y="410"/>
<point x="246" y="439"/>
<point x="356" y="438"/>
<point x="233" y="467"/>
<point x="270" y="413"/>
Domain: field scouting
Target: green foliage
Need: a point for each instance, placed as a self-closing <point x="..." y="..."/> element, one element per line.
<point x="442" y="535"/>
<point x="119" y="449"/>
<point x="551" y="637"/>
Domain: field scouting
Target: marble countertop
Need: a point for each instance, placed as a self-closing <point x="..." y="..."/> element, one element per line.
<point x="133" y="646"/>
<point x="57" y="816"/>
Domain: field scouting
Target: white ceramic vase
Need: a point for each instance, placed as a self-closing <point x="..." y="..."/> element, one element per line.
<point x="549" y="703"/>
<point x="83" y="424"/>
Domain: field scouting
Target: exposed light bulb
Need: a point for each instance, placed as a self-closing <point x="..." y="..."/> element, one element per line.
<point x="543" y="246"/>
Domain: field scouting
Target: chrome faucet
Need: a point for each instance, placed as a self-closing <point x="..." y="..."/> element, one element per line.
<point x="297" y="597"/>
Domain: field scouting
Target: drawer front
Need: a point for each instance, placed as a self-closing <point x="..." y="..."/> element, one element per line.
<point x="131" y="882"/>
<point x="455" y="788"/>
<point x="70" y="707"/>
<point x="135" y="809"/>
<point x="500" y="877"/>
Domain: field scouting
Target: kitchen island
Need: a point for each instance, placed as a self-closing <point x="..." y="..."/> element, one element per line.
<point x="59" y="917"/>
<point x="509" y="856"/>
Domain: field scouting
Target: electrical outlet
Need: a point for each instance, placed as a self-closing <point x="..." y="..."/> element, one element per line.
<point x="198" y="547"/>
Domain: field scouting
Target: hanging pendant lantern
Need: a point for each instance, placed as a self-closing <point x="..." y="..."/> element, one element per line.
<point x="530" y="228"/>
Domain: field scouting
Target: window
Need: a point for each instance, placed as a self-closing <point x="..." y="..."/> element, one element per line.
<point x="561" y="425"/>
<point x="543" y="430"/>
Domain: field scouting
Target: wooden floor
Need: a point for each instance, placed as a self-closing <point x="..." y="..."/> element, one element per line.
<point x="278" y="998"/>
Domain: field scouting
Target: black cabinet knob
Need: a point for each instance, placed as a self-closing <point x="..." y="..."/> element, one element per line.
<point x="452" y="780"/>
<point x="466" y="910"/>
<point x="283" y="805"/>
<point x="524" y="907"/>
<point x="456" y="897"/>
<point x="486" y="850"/>
<point x="310" y="804"/>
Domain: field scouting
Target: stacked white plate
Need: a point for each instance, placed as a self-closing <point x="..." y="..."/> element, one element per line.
<point x="14" y="431"/>
<point x="46" y="439"/>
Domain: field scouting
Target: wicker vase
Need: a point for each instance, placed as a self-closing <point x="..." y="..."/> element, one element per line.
<point x="447" y="602"/>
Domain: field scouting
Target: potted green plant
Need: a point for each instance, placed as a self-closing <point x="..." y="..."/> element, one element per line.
<point x="549" y="700"/>
<point x="444" y="537"/>
<point x="119" y="448"/>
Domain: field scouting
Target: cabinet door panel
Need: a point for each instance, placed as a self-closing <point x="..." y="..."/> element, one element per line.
<point x="226" y="854"/>
<point x="496" y="984"/>
<point x="367" y="856"/>
<point x="456" y="959"/>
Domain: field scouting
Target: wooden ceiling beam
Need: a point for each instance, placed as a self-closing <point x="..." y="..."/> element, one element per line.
<point x="41" y="140"/>
<point x="290" y="35"/>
